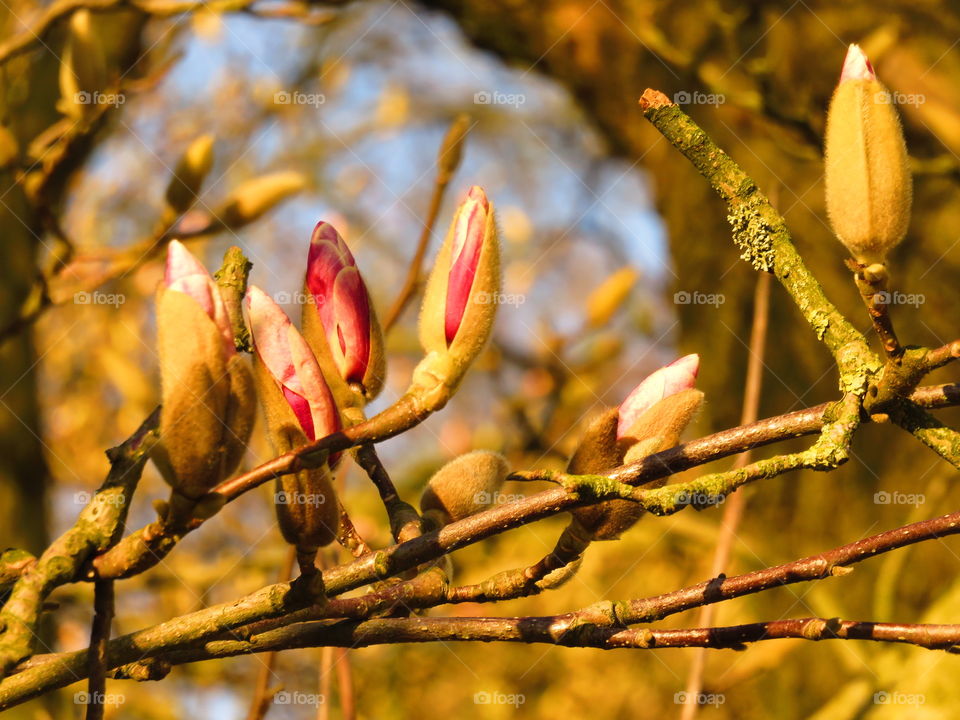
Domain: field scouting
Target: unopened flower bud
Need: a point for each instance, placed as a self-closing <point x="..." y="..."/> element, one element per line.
<point x="192" y="168"/>
<point x="868" y="183"/>
<point x="256" y="197"/>
<point x="610" y="296"/>
<point x="460" y="300"/>
<point x="208" y="397"/>
<point x="451" y="150"/>
<point x="649" y="420"/>
<point x="339" y="321"/>
<point x="464" y="487"/>
<point x="299" y="408"/>
<point x="83" y="71"/>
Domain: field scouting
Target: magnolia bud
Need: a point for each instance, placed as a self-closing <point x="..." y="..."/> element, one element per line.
<point x="464" y="487"/>
<point x="83" y="71"/>
<point x="649" y="420"/>
<point x="299" y="408"/>
<point x="460" y="300"/>
<point x="338" y="320"/>
<point x="867" y="174"/>
<point x="191" y="170"/>
<point x="451" y="150"/>
<point x="208" y="398"/>
<point x="609" y="296"/>
<point x="255" y="197"/>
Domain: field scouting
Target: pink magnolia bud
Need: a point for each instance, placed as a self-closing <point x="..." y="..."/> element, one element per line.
<point x="856" y="66"/>
<point x="288" y="359"/>
<point x="185" y="274"/>
<point x="342" y="302"/>
<point x="468" y="235"/>
<point x="679" y="375"/>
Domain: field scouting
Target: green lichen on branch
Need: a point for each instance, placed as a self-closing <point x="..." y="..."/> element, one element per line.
<point x="762" y="236"/>
<point x="99" y="525"/>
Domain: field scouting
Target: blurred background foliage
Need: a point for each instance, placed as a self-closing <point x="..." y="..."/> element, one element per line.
<point x="356" y="97"/>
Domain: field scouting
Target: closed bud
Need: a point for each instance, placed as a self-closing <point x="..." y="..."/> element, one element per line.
<point x="258" y="196"/>
<point x="208" y="397"/>
<point x="610" y="296"/>
<point x="451" y="150"/>
<point x="339" y="321"/>
<point x="868" y="181"/>
<point x="192" y="168"/>
<point x="299" y="408"/>
<point x="460" y="300"/>
<point x="648" y="421"/>
<point x="83" y="71"/>
<point x="464" y="487"/>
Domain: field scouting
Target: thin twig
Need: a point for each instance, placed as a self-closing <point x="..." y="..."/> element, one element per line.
<point x="733" y="509"/>
<point x="103" y="599"/>
<point x="448" y="159"/>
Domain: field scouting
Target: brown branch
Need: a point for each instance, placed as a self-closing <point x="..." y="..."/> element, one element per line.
<point x="97" y="652"/>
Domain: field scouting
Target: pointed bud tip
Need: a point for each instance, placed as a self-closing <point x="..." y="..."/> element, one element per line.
<point x="679" y="375"/>
<point x="181" y="263"/>
<point x="476" y="193"/>
<point x="856" y="66"/>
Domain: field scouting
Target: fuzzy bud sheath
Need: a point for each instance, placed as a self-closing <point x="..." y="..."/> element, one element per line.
<point x="339" y="321"/>
<point x="192" y="168"/>
<point x="460" y="300"/>
<point x="209" y="404"/>
<point x="869" y="188"/>
<point x="298" y="408"/>
<point x="464" y="487"/>
<point x="650" y="420"/>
